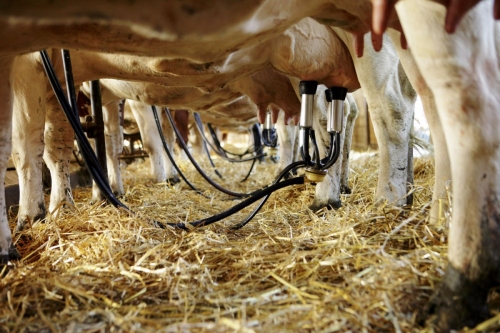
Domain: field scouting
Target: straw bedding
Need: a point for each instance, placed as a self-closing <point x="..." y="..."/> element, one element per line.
<point x="97" y="269"/>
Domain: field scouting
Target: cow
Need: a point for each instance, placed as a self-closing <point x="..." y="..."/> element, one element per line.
<point x="462" y="72"/>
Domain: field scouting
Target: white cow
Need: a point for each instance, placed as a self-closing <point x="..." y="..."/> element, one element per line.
<point x="462" y="72"/>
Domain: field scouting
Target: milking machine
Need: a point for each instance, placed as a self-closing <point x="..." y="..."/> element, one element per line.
<point x="314" y="165"/>
<point x="270" y="137"/>
<point x="221" y="152"/>
<point x="315" y="168"/>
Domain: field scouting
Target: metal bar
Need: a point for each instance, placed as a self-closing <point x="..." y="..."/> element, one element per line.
<point x="99" y="140"/>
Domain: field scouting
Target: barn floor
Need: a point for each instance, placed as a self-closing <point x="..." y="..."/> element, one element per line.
<point x="358" y="269"/>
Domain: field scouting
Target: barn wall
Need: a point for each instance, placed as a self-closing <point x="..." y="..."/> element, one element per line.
<point x="363" y="136"/>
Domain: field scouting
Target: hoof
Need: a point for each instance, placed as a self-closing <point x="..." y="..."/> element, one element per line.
<point x="118" y="194"/>
<point x="409" y="199"/>
<point x="22" y="222"/>
<point x="97" y="198"/>
<point x="173" y="180"/>
<point x="345" y="189"/>
<point x="315" y="206"/>
<point x="457" y="303"/>
<point x="14" y="254"/>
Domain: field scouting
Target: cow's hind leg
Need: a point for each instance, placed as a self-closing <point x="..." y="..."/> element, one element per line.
<point x="286" y="140"/>
<point x="29" y="84"/>
<point x="7" y="249"/>
<point x="349" y="131"/>
<point x="462" y="72"/>
<point x="442" y="172"/>
<point x="59" y="137"/>
<point x="327" y="192"/>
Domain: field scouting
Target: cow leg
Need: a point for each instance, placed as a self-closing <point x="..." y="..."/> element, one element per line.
<point x="197" y="142"/>
<point x="59" y="138"/>
<point x="27" y="135"/>
<point x="390" y="100"/>
<point x="286" y="140"/>
<point x="442" y="171"/>
<point x="150" y="138"/>
<point x="113" y="131"/>
<point x="168" y="133"/>
<point x="7" y="249"/>
<point x="327" y="192"/>
<point x="160" y="169"/>
<point x="113" y="136"/>
<point x="349" y="131"/>
<point x="462" y="72"/>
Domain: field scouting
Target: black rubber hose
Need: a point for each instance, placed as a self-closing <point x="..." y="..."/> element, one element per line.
<point x="84" y="146"/>
<point x="220" y="152"/>
<point x="282" y="174"/>
<point x="165" y="147"/>
<point x="199" y="126"/>
<point x="317" y="163"/>
<point x="198" y="168"/>
<point x="335" y="153"/>
<point x="216" y="140"/>
<point x="304" y="150"/>
<point x="249" y="171"/>
<point x="330" y="149"/>
<point x="223" y="153"/>
<point x="258" y="195"/>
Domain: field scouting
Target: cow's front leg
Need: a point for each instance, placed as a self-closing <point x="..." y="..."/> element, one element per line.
<point x="59" y="138"/>
<point x="29" y="85"/>
<point x="462" y="72"/>
<point x="327" y="192"/>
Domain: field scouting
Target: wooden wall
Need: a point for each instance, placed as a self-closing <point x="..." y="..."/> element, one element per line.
<point x="363" y="136"/>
